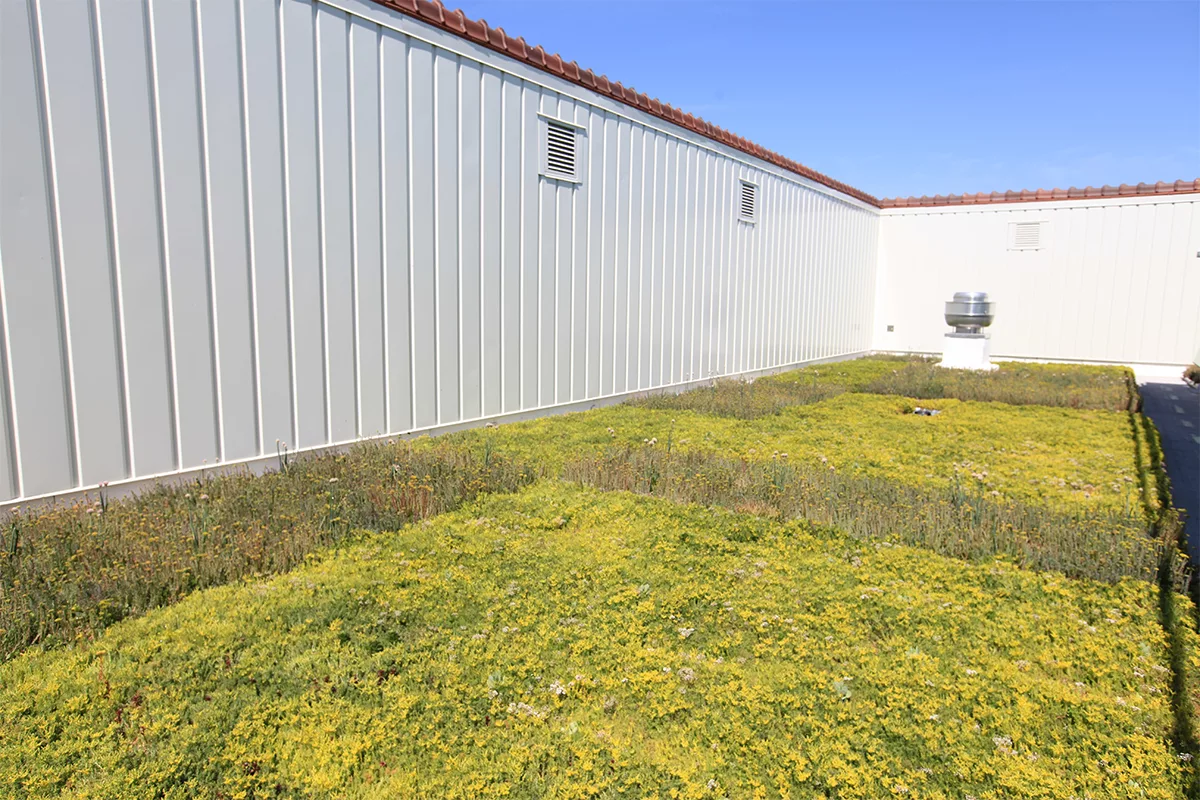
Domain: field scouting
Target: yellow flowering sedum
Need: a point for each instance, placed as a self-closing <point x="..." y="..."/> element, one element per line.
<point x="1065" y="385"/>
<point x="533" y="645"/>
<point x="1060" y="457"/>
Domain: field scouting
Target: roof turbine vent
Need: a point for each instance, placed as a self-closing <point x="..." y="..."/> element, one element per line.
<point x="969" y="346"/>
<point x="970" y="312"/>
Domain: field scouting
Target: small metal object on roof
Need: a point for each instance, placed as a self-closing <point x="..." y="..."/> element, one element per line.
<point x="970" y="312"/>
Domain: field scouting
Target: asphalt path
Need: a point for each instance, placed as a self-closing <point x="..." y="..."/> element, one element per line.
<point x="1175" y="409"/>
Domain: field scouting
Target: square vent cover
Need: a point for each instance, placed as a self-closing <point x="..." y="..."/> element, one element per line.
<point x="1025" y="235"/>
<point x="560" y="150"/>
<point x="747" y="201"/>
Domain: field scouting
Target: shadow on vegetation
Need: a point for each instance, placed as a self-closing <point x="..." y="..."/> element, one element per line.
<point x="1179" y="626"/>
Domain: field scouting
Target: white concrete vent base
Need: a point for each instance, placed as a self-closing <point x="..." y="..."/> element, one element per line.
<point x="967" y="351"/>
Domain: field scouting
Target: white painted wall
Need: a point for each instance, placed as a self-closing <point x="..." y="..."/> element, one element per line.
<point x="1117" y="280"/>
<point x="231" y="222"/>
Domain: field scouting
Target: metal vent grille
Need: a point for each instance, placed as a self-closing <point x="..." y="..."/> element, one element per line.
<point x="747" y="201"/>
<point x="560" y="150"/>
<point x="1025" y="236"/>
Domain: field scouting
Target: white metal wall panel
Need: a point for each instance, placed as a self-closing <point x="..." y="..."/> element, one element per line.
<point x="395" y="210"/>
<point x="333" y="202"/>
<point x="230" y="223"/>
<point x="1115" y="280"/>
<point x="76" y="122"/>
<point x="491" y="242"/>
<point x="446" y="221"/>
<point x="470" y="257"/>
<point x="124" y="57"/>
<point x="36" y="384"/>
<point x="511" y="243"/>
<point x="270" y="282"/>
<point x="183" y="216"/>
<point x="366" y="212"/>
<point x="223" y="127"/>
<point x="299" y="109"/>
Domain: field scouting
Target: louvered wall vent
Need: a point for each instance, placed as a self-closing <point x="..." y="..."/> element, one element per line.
<point x="1025" y="236"/>
<point x="561" y="151"/>
<point x="748" y="202"/>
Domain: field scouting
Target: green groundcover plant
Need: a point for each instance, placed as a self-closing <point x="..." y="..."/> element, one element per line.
<point x="1019" y="383"/>
<point x="69" y="571"/>
<point x="563" y="642"/>
<point x="1098" y="545"/>
<point x="1067" y="458"/>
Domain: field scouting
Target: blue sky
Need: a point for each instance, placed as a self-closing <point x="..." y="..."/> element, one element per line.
<point x="902" y="98"/>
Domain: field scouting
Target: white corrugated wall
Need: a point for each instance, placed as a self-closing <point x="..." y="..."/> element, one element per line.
<point x="230" y="222"/>
<point x="1114" y="280"/>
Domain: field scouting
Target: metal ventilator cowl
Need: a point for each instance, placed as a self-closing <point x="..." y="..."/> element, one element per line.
<point x="970" y="312"/>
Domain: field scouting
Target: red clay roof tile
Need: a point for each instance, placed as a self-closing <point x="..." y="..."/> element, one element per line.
<point x="458" y="23"/>
<point x="476" y="29"/>
<point x="1044" y="195"/>
<point x="427" y="10"/>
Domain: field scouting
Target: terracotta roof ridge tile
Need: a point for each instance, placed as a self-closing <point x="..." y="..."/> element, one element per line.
<point x="432" y="12"/>
<point x="1046" y="195"/>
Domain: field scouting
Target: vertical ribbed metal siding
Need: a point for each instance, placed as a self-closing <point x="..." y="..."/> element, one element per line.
<point x="1117" y="280"/>
<point x="232" y="222"/>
